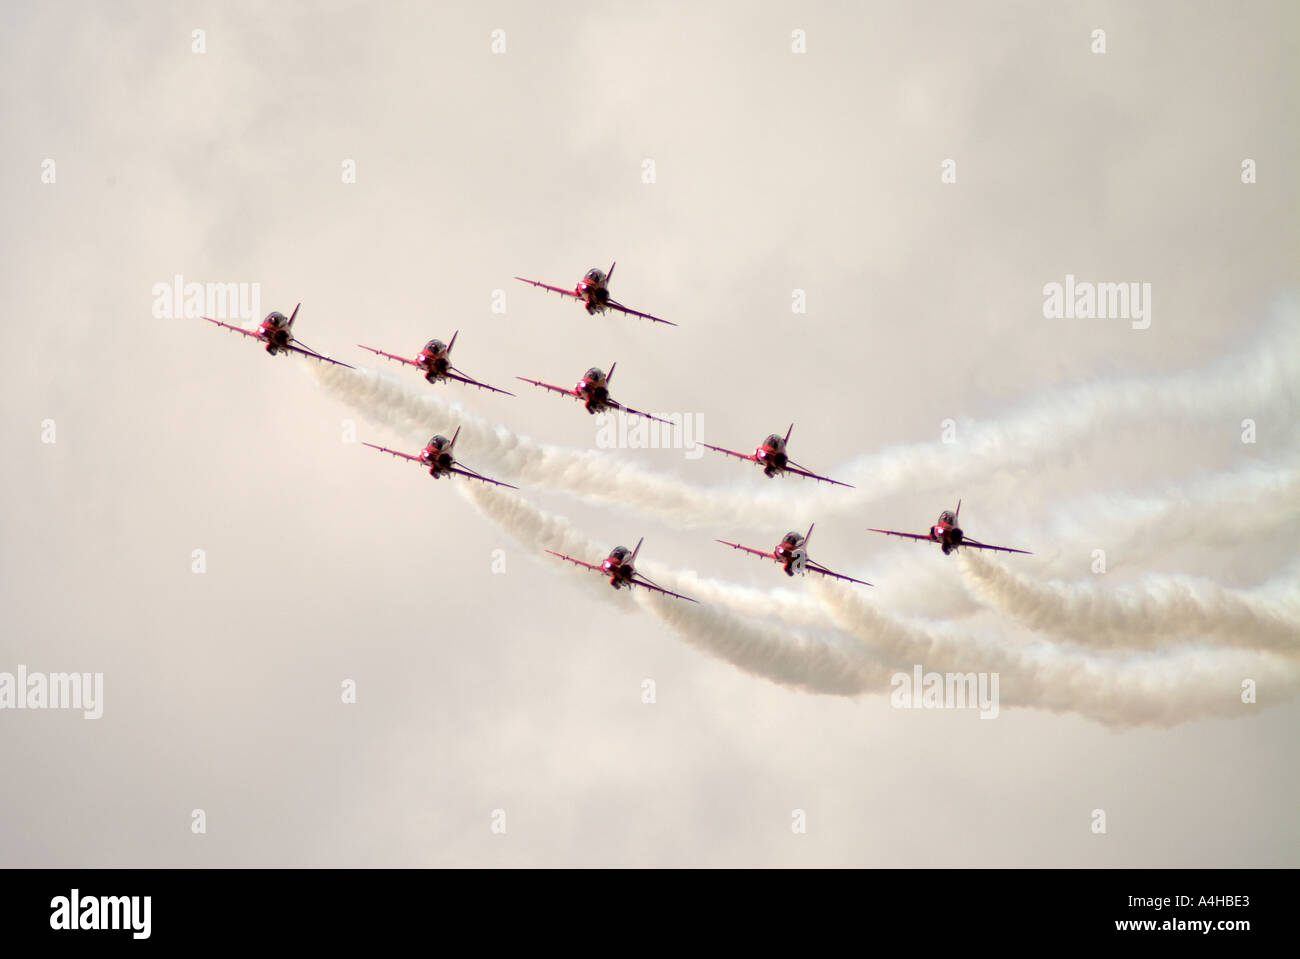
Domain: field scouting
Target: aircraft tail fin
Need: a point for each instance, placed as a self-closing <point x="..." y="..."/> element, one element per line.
<point x="632" y="559"/>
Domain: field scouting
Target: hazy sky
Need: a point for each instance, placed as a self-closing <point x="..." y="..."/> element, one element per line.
<point x="491" y="677"/>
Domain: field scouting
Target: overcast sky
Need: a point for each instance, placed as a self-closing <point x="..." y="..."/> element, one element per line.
<point x="725" y="171"/>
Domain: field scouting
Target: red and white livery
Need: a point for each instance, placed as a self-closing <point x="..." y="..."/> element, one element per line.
<point x="620" y="567"/>
<point x="276" y="331"/>
<point x="792" y="554"/>
<point x="949" y="535"/>
<point x="435" y="362"/>
<point x="593" y="390"/>
<point x="593" y="291"/>
<point x="772" y="456"/>
<point x="437" y="457"/>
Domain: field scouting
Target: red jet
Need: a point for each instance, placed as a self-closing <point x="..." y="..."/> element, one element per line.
<point x="792" y="554"/>
<point x="618" y="566"/>
<point x="593" y="290"/>
<point x="277" y="333"/>
<point x="437" y="456"/>
<point x="593" y="390"/>
<point x="948" y="534"/>
<point x="435" y="361"/>
<point x="772" y="457"/>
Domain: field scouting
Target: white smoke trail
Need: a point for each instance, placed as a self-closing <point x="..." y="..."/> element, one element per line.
<point x="541" y="530"/>
<point x="1124" y="691"/>
<point x="1170" y="687"/>
<point x="534" y="527"/>
<point x="802" y="661"/>
<point x="592" y="475"/>
<point x="1239" y="509"/>
<point x="1212" y="511"/>
<point x="789" y="606"/>
<point x="1259" y="381"/>
<point x="813" y="663"/>
<point x="1161" y="612"/>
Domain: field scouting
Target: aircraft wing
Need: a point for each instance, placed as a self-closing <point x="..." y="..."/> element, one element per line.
<point x="894" y="532"/>
<point x="1001" y="549"/>
<point x="385" y="449"/>
<point x="463" y="470"/>
<point x="546" y="286"/>
<point x="743" y="456"/>
<point x="317" y="356"/>
<point x="231" y="326"/>
<point x="576" y="562"/>
<point x="640" y="580"/>
<point x="547" y="386"/>
<point x="818" y="568"/>
<point x="748" y="549"/>
<point x="792" y="467"/>
<point x="391" y="356"/>
<point x="462" y="378"/>
<point x="614" y="304"/>
<point x="627" y="409"/>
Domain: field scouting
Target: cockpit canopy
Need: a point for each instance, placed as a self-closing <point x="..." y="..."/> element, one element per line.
<point x="275" y="319"/>
<point x="439" y="442"/>
<point x="595" y="374"/>
<point x="619" y="553"/>
<point x="947" y="517"/>
<point x="596" y="275"/>
<point x="775" y="441"/>
<point x="792" y="538"/>
<point x="435" y="346"/>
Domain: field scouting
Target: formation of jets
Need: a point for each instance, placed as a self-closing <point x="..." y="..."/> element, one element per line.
<point x="275" y="332"/>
